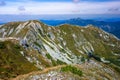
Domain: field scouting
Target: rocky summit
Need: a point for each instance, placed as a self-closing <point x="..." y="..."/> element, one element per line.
<point x="32" y="50"/>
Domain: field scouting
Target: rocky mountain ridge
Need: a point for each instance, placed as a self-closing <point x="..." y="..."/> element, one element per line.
<point x="46" y="46"/>
<point x="111" y="27"/>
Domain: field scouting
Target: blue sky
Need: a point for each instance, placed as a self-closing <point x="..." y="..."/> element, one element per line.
<point x="62" y="0"/>
<point x="38" y="7"/>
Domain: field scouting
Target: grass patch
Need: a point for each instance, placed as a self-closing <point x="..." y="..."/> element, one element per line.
<point x="58" y="62"/>
<point x="2" y="45"/>
<point x="48" y="56"/>
<point x="72" y="69"/>
<point x="53" y="61"/>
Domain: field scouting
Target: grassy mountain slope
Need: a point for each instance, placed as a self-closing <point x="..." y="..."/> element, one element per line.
<point x="12" y="62"/>
<point x="47" y="46"/>
<point x="111" y="27"/>
<point x="87" y="71"/>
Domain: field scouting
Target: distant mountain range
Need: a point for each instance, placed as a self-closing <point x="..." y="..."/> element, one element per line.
<point x="111" y="27"/>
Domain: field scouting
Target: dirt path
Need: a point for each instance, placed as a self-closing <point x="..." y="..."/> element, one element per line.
<point x="21" y="77"/>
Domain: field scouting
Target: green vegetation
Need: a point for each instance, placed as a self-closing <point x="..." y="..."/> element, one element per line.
<point x="83" y="59"/>
<point x="115" y="64"/>
<point x="53" y="61"/>
<point x="48" y="56"/>
<point x="117" y="68"/>
<point x="2" y="46"/>
<point x="43" y="61"/>
<point x="58" y="62"/>
<point x="12" y="63"/>
<point x="72" y="69"/>
<point x="69" y="38"/>
<point x="16" y="46"/>
<point x="37" y="44"/>
<point x="92" y="35"/>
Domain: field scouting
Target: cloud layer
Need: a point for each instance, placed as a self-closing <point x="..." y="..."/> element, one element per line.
<point x="82" y="7"/>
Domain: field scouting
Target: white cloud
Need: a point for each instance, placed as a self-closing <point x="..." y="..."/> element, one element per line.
<point x="61" y="8"/>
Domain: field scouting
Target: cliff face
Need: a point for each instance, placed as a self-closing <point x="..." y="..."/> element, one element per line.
<point x="45" y="46"/>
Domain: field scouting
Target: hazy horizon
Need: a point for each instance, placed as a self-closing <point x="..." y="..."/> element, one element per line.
<point x="98" y="17"/>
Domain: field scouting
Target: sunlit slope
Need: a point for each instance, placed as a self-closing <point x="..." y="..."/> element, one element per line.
<point x="47" y="46"/>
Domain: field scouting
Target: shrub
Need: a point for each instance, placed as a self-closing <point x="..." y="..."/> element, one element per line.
<point x="83" y="59"/>
<point x="60" y="62"/>
<point x="17" y="46"/>
<point x="48" y="56"/>
<point x="72" y="69"/>
<point x="2" y="45"/>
